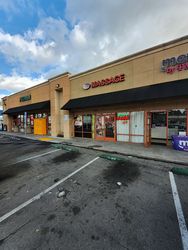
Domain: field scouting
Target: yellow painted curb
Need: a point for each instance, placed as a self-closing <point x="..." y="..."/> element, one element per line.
<point x="46" y="139"/>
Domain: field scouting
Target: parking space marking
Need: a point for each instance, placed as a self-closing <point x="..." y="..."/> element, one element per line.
<point x="180" y="216"/>
<point x="35" y="156"/>
<point x="38" y="196"/>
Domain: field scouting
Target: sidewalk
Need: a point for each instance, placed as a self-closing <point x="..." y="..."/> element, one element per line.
<point x="154" y="152"/>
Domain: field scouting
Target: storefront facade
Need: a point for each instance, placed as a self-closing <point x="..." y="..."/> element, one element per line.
<point x="142" y="98"/>
<point x="38" y="109"/>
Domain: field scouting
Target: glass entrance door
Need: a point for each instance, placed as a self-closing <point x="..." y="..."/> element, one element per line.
<point x="105" y="127"/>
<point x="159" y="127"/>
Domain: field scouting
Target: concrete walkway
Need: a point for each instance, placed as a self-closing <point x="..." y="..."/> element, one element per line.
<point x="154" y="152"/>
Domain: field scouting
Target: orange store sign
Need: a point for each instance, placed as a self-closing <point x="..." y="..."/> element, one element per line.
<point x="104" y="82"/>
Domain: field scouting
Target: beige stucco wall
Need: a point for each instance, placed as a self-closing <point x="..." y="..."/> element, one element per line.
<point x="39" y="93"/>
<point x="140" y="70"/>
<point x="58" y="97"/>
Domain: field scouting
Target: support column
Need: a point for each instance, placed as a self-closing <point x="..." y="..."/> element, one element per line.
<point x="8" y="120"/>
<point x="68" y="125"/>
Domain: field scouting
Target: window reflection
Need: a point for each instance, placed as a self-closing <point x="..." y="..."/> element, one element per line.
<point x="177" y="122"/>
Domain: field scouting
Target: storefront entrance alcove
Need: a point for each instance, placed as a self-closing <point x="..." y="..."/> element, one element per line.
<point x="165" y="124"/>
<point x="105" y="127"/>
<point x="159" y="127"/>
<point x="83" y="126"/>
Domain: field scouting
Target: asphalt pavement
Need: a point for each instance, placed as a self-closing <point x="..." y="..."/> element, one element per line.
<point x="73" y="198"/>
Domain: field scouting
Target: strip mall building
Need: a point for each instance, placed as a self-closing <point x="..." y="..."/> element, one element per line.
<point x="141" y="98"/>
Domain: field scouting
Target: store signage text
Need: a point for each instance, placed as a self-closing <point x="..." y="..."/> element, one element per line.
<point x="104" y="82"/>
<point x="170" y="65"/>
<point x="180" y="143"/>
<point x="25" y="98"/>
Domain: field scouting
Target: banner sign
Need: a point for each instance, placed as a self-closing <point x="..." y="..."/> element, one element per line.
<point x="180" y="142"/>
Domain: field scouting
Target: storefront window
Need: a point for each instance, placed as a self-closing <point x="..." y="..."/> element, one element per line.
<point x="123" y="121"/>
<point x="176" y="122"/>
<point x="19" y="122"/>
<point x="87" y="126"/>
<point x="78" y="126"/>
<point x="109" y="126"/>
<point x="158" y="119"/>
<point x="159" y="127"/>
<point x="105" y="126"/>
<point x="130" y="126"/>
<point x="83" y="126"/>
<point x="100" y="126"/>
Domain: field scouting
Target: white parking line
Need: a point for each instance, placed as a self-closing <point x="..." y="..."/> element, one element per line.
<point x="180" y="216"/>
<point x="38" y="196"/>
<point x="35" y="156"/>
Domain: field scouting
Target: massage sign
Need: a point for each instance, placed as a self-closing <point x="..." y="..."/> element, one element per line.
<point x="104" y="82"/>
<point x="174" y="64"/>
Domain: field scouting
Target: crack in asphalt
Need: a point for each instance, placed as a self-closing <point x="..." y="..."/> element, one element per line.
<point x="13" y="233"/>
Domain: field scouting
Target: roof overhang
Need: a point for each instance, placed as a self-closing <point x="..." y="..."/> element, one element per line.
<point x="27" y="108"/>
<point x="148" y="93"/>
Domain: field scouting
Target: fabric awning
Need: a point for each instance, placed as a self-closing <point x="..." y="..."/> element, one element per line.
<point x="31" y="107"/>
<point x="152" y="92"/>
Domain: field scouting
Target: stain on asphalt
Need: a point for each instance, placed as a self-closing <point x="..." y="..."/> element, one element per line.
<point x="45" y="230"/>
<point x="68" y="156"/>
<point x="22" y="186"/>
<point x="56" y="231"/>
<point x="1" y="242"/>
<point x="66" y="203"/>
<point x="76" y="210"/>
<point x="121" y="171"/>
<point x="51" y="217"/>
<point x="2" y="196"/>
<point x="56" y="180"/>
<point x="93" y="237"/>
<point x="13" y="170"/>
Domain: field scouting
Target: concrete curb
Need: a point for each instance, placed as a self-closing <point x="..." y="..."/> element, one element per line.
<point x="180" y="171"/>
<point x="106" y="150"/>
<point x="135" y="155"/>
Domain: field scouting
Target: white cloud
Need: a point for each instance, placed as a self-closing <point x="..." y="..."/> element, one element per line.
<point x="17" y="82"/>
<point x="100" y="32"/>
<point x="78" y="35"/>
<point x="28" y="55"/>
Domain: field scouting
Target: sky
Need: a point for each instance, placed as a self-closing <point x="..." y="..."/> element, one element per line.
<point x="43" y="38"/>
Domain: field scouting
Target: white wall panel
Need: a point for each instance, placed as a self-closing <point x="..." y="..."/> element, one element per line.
<point x="122" y="129"/>
<point x="137" y="126"/>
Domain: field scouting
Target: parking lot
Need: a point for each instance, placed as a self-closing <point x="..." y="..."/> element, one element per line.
<point x="75" y="198"/>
